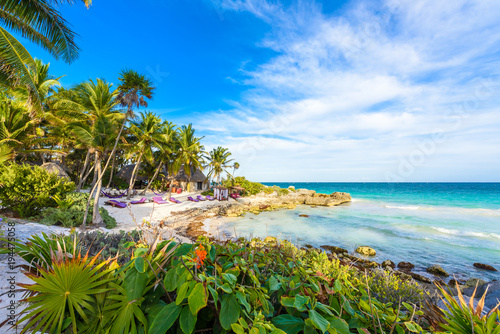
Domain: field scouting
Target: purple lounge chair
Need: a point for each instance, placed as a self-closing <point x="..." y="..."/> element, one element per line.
<point x="210" y="198"/>
<point x="141" y="201"/>
<point x="159" y="200"/>
<point x="174" y="200"/>
<point x="116" y="204"/>
<point x="193" y="199"/>
<point x="200" y="198"/>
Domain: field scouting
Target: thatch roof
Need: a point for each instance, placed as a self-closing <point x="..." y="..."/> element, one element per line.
<point x="52" y="167"/>
<point x="125" y="173"/>
<point x="197" y="176"/>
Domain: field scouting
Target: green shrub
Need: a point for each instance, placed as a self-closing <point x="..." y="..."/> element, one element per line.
<point x="252" y="287"/>
<point x="28" y="189"/>
<point x="390" y="288"/>
<point x="72" y="215"/>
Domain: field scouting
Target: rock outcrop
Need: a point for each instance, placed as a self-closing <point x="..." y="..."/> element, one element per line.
<point x="388" y="263"/>
<point x="365" y="250"/>
<point x="334" y="249"/>
<point x="406" y="265"/>
<point x="437" y="270"/>
<point x="484" y="266"/>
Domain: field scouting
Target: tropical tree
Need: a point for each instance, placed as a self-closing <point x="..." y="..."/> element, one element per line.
<point x="94" y="104"/>
<point x="146" y="133"/>
<point x="42" y="24"/>
<point x="218" y="163"/>
<point x="15" y="129"/>
<point x="166" y="150"/>
<point x="189" y="153"/>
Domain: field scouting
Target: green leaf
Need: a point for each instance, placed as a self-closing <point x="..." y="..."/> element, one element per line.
<point x="140" y="251"/>
<point x="230" y="278"/>
<point x="230" y="311"/>
<point x="226" y="288"/>
<point x="274" y="284"/>
<point x="243" y="300"/>
<point x="237" y="329"/>
<point x="340" y="325"/>
<point x="318" y="321"/>
<point x="197" y="298"/>
<point x="413" y="327"/>
<point x="187" y="320"/>
<point x="181" y="293"/>
<point x="337" y="286"/>
<point x="287" y="301"/>
<point x="212" y="253"/>
<point x="134" y="284"/>
<point x="165" y="319"/>
<point x="139" y="264"/>
<point x="171" y="280"/>
<point x="288" y="323"/>
<point x="214" y="294"/>
<point x="300" y="301"/>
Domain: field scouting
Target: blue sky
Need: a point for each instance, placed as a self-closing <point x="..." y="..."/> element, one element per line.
<point x="309" y="91"/>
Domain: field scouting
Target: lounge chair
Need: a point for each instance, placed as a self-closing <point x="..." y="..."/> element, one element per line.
<point x="193" y="199"/>
<point x="201" y="198"/>
<point x="141" y="201"/>
<point x="116" y="204"/>
<point x="174" y="200"/>
<point x="159" y="200"/>
<point x="210" y="198"/>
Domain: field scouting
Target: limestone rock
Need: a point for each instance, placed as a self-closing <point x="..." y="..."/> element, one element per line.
<point x="305" y="216"/>
<point x="453" y="282"/>
<point x="484" y="266"/>
<point x="334" y="249"/>
<point x="437" y="270"/>
<point x="406" y="265"/>
<point x="420" y="278"/>
<point x="365" y="250"/>
<point x="474" y="281"/>
<point x="388" y="263"/>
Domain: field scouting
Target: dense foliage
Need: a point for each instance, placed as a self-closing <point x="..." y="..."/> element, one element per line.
<point x="28" y="189"/>
<point x="251" y="188"/>
<point x="240" y="287"/>
<point x="70" y="210"/>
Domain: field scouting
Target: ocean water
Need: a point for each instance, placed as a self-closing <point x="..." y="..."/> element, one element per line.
<point x="450" y="224"/>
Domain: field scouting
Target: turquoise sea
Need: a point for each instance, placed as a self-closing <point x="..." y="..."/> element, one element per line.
<point x="451" y="224"/>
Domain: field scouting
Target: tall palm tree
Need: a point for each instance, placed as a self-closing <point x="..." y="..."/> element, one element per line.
<point x="92" y="102"/>
<point x="42" y="24"/>
<point x="15" y="129"/>
<point x="146" y="133"/>
<point x="218" y="163"/>
<point x="189" y="154"/>
<point x="165" y="151"/>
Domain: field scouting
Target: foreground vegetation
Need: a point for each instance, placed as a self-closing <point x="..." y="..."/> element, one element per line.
<point x="242" y="287"/>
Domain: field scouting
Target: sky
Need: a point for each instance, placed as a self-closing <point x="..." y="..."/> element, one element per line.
<point x="333" y="91"/>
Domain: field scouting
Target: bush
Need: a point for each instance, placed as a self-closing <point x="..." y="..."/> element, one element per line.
<point x="243" y="287"/>
<point x="72" y="216"/>
<point x="28" y="189"/>
<point x="251" y="188"/>
<point x="390" y="288"/>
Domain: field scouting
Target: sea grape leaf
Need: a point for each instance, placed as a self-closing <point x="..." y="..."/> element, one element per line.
<point x="171" y="280"/>
<point x="139" y="264"/>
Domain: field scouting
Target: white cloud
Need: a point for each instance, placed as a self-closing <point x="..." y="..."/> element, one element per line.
<point x="349" y="97"/>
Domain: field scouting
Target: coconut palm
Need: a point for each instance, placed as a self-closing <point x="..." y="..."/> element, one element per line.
<point x="146" y="133"/>
<point x="15" y="129"/>
<point x="133" y="91"/>
<point x="189" y="154"/>
<point x="219" y="161"/>
<point x="42" y="24"/>
<point x="165" y="150"/>
<point x="92" y="103"/>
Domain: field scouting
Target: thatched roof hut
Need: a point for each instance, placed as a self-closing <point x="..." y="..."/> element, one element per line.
<point x="181" y="176"/>
<point x="125" y="173"/>
<point x="52" y="167"/>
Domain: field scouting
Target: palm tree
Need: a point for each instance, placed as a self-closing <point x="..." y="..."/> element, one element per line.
<point x="15" y="129"/>
<point x="92" y="103"/>
<point x="165" y="150"/>
<point x="42" y="24"/>
<point x="146" y="134"/>
<point x="235" y="167"/>
<point x="189" y="154"/>
<point x="218" y="162"/>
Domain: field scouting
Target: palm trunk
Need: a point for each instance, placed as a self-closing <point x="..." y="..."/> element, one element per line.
<point x="96" y="175"/>
<point x="96" y="216"/>
<point x="105" y="167"/>
<point x="84" y="170"/>
<point x="170" y="188"/>
<point x="133" y="176"/>
<point x="153" y="178"/>
<point x="112" y="170"/>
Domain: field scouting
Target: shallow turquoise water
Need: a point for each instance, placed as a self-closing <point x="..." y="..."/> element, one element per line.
<point x="451" y="224"/>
